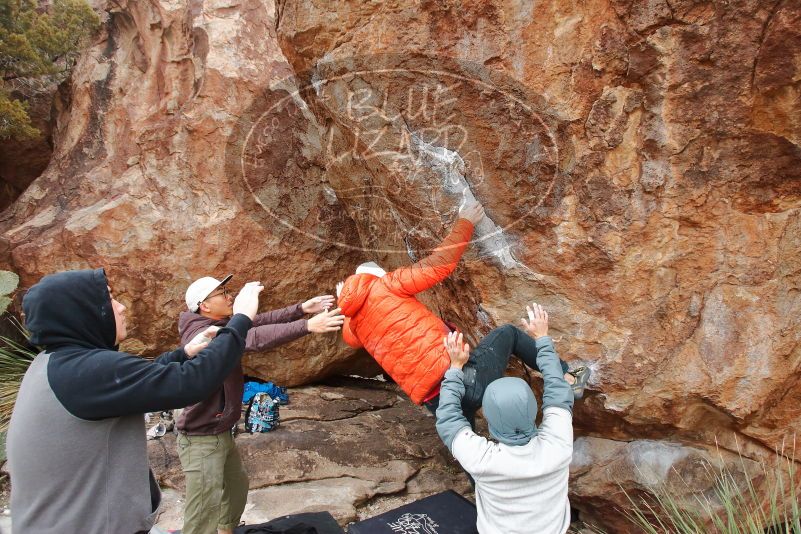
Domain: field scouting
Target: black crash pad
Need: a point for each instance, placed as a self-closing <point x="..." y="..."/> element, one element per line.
<point x="308" y="523"/>
<point x="443" y="513"/>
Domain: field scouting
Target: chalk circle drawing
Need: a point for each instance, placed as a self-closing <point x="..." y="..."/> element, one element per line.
<point x="418" y="132"/>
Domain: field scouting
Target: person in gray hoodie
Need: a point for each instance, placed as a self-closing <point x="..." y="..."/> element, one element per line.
<point x="216" y="482"/>
<point x="520" y="480"/>
<point x="76" y="443"/>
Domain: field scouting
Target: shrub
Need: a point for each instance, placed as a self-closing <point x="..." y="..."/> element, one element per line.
<point x="37" y="47"/>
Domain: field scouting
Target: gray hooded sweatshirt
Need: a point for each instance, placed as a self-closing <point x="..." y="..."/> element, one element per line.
<point x="521" y="482"/>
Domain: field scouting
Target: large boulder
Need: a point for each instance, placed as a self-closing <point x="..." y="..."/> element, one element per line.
<point x="138" y="182"/>
<point x="639" y="162"/>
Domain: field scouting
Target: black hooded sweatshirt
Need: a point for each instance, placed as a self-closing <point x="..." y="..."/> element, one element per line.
<point x="76" y="444"/>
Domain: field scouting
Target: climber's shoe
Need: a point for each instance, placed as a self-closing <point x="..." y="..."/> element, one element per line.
<point x="582" y="376"/>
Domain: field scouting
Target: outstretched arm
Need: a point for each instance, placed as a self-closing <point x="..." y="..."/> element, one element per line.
<point x="556" y="430"/>
<point x="295" y="311"/>
<point x="268" y="336"/>
<point x="472" y="451"/>
<point x="282" y="315"/>
<point x="117" y="384"/>
<point x="112" y="384"/>
<point x="438" y="265"/>
<point x="178" y="355"/>
<point x="556" y="391"/>
<point x="450" y="418"/>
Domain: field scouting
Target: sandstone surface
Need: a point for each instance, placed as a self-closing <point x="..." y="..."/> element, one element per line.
<point x="639" y="162"/>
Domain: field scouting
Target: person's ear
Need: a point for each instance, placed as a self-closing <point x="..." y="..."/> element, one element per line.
<point x="203" y="307"/>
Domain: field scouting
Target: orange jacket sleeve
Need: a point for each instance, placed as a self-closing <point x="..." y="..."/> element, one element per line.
<point x="435" y="267"/>
<point x="348" y="336"/>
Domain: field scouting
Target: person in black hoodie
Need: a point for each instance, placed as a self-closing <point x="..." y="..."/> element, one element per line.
<point x="76" y="443"/>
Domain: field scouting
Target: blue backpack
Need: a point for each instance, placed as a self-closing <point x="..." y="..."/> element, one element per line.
<point x="262" y="414"/>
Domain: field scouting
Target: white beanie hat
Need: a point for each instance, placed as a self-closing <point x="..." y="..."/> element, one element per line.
<point x="371" y="267"/>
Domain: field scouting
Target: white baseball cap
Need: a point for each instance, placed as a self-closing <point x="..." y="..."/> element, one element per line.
<point x="202" y="288"/>
<point x="371" y="267"/>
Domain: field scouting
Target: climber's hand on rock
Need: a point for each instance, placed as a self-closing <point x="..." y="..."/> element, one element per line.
<point x="457" y="349"/>
<point x="537" y="324"/>
<point x="327" y="321"/>
<point x="472" y="211"/>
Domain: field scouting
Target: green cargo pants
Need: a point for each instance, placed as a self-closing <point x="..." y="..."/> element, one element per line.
<point x="216" y="483"/>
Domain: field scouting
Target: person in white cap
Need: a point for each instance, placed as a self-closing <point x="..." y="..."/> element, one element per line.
<point x="216" y="483"/>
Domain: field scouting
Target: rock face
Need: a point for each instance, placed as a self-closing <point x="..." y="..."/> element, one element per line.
<point x="138" y="182"/>
<point x="639" y="162"/>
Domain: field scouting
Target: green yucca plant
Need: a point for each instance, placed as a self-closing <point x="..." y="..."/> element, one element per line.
<point x="14" y="361"/>
<point x="734" y="507"/>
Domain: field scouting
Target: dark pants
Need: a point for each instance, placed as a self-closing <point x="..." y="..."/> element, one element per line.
<point x="488" y="362"/>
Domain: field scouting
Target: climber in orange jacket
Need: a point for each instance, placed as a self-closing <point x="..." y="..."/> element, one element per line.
<point x="406" y="338"/>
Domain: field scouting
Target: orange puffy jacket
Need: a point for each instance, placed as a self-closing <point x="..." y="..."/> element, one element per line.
<point x="383" y="316"/>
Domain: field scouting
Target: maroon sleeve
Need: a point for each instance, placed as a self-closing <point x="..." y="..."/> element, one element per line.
<point x="268" y="336"/>
<point x="190" y="333"/>
<point x="284" y="315"/>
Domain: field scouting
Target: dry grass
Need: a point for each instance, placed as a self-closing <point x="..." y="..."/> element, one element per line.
<point x="767" y="503"/>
